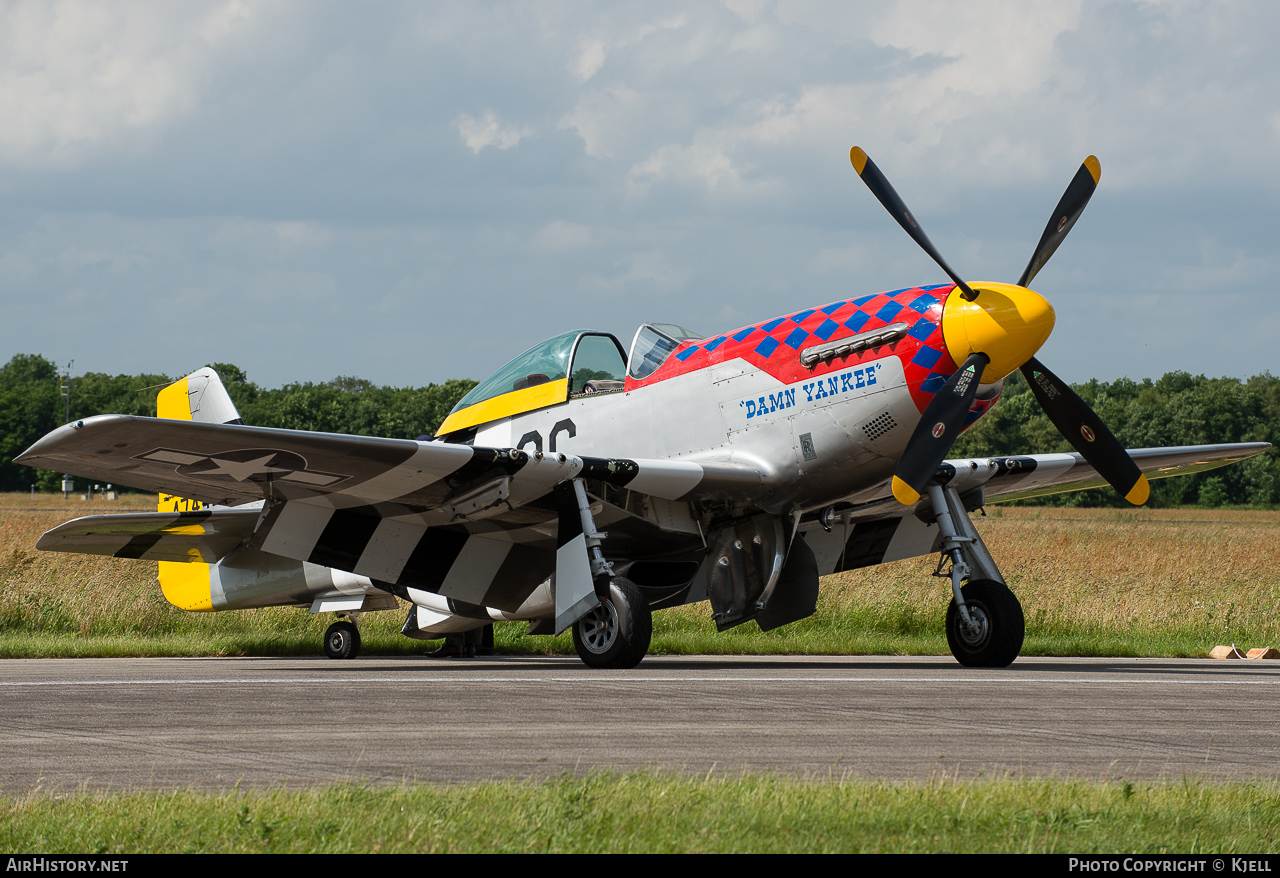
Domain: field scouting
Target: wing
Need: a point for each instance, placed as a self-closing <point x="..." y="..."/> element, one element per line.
<point x="1038" y="475"/>
<point x="874" y="528"/>
<point x="1019" y="477"/>
<point x="481" y="525"/>
<point x="230" y="465"/>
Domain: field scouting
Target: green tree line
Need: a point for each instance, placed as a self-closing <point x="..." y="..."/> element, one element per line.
<point x="31" y="404"/>
<point x="1177" y="409"/>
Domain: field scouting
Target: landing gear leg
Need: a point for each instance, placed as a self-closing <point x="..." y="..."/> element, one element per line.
<point x="342" y="640"/>
<point x="985" y="625"/>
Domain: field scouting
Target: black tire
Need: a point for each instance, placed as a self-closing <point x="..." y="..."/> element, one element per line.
<point x="1001" y="626"/>
<point x="342" y="640"/>
<point x="616" y="634"/>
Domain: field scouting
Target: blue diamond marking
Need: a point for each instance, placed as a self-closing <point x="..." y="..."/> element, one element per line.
<point x="864" y="300"/>
<point x="889" y="311"/>
<point x="742" y="334"/>
<point x="922" y="330"/>
<point x="767" y="347"/>
<point x="687" y="353"/>
<point x="773" y="324"/>
<point x="926" y="357"/>
<point x="896" y="293"/>
<point x="923" y="304"/>
<point x="799" y="318"/>
<point x="714" y="343"/>
<point x="971" y="417"/>
<point x="796" y="338"/>
<point x="826" y="329"/>
<point x="857" y="321"/>
<point x="933" y="383"/>
<point x="833" y="307"/>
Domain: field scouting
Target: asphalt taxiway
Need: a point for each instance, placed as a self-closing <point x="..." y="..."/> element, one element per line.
<point x="113" y="724"/>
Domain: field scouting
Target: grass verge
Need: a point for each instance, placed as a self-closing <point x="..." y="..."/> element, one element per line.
<point x="649" y="812"/>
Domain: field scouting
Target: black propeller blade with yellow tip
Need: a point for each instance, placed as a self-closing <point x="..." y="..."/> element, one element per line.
<point x="1069" y="208"/>
<point x="938" y="428"/>
<point x="1086" y="432"/>
<point x="881" y="189"/>
<point x="995" y="335"/>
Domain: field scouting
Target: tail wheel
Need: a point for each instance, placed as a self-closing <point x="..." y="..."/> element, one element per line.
<point x="615" y="634"/>
<point x="342" y="640"/>
<point x="994" y="638"/>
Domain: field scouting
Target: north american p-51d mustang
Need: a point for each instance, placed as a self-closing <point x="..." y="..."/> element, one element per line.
<point x="584" y="486"/>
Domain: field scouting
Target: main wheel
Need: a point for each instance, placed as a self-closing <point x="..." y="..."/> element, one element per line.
<point x="342" y="640"/>
<point x="995" y="637"/>
<point x="615" y="634"/>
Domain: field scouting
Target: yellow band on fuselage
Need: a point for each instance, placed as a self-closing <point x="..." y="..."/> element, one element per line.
<point x="514" y="403"/>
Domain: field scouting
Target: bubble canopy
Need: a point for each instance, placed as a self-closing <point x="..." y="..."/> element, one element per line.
<point x="544" y="375"/>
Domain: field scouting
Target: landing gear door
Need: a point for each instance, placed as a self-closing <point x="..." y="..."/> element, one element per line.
<point x="744" y="563"/>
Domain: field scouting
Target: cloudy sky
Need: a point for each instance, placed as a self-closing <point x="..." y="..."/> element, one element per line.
<point x="411" y="192"/>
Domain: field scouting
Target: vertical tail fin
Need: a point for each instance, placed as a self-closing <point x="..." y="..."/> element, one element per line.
<point x="198" y="397"/>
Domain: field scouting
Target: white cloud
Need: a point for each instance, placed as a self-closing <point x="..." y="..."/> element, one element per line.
<point x="748" y="10"/>
<point x="281" y="237"/>
<point x="488" y="131"/>
<point x="1000" y="47"/>
<point x="78" y="76"/>
<point x="603" y="120"/>
<point x="591" y="59"/>
<point x="560" y="237"/>
<point x="650" y="270"/>
<point x="702" y="164"/>
<point x="202" y="146"/>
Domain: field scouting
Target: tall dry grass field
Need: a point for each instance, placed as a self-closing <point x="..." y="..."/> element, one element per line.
<point x="58" y="604"/>
<point x="1091" y="581"/>
<point x="1110" y="581"/>
<point x="1169" y="582"/>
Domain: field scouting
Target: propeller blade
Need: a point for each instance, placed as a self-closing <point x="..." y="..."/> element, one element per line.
<point x="1083" y="429"/>
<point x="938" y="428"/>
<point x="881" y="189"/>
<point x="1073" y="202"/>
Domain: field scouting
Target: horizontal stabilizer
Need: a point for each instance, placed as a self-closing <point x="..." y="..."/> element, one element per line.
<point x="206" y="536"/>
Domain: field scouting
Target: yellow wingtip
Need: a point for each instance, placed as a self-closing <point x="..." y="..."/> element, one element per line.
<point x="1140" y="491"/>
<point x="859" y="159"/>
<point x="905" y="494"/>
<point x="1095" y="169"/>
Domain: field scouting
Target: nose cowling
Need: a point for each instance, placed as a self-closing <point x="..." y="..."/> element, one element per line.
<point x="1008" y="323"/>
